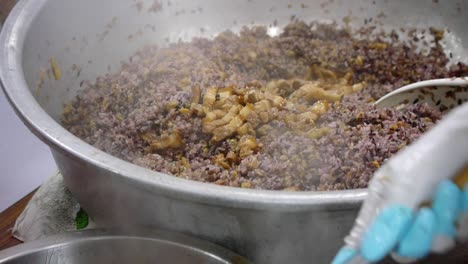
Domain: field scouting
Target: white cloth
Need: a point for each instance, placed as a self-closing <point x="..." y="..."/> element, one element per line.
<point x="52" y="210"/>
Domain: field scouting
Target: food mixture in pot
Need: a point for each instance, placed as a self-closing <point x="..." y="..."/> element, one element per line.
<point x="292" y="112"/>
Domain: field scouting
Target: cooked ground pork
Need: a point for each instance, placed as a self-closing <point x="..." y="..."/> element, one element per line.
<point x="158" y="111"/>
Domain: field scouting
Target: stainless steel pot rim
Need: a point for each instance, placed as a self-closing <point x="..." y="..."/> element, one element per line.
<point x="48" y="130"/>
<point x="77" y="237"/>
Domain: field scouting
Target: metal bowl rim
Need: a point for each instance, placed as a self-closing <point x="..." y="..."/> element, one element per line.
<point x="77" y="237"/>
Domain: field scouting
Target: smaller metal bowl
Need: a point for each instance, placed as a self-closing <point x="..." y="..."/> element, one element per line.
<point x="100" y="246"/>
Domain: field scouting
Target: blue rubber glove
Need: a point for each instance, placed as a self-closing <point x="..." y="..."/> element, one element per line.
<point x="416" y="203"/>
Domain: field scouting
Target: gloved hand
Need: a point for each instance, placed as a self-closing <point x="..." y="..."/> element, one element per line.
<point x="416" y="202"/>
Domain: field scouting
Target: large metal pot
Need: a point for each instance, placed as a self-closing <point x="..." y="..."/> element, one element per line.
<point x="266" y="226"/>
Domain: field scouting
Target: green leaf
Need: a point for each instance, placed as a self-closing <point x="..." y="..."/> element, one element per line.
<point x="81" y="220"/>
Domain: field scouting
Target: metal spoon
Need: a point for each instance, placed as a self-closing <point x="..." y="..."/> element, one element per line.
<point x="443" y="94"/>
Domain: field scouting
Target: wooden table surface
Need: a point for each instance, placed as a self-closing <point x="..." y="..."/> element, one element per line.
<point x="7" y="220"/>
<point x="5" y="8"/>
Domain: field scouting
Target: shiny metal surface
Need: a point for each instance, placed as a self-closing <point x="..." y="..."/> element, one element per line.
<point x="444" y="94"/>
<point x="100" y="246"/>
<point x="265" y="226"/>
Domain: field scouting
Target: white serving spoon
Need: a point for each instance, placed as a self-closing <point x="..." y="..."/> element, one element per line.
<point x="444" y="94"/>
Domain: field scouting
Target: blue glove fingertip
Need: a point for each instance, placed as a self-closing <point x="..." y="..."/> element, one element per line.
<point x="417" y="242"/>
<point x="445" y="228"/>
<point x="345" y="255"/>
<point x="465" y="199"/>
<point x="447" y="205"/>
<point x="384" y="234"/>
<point x="447" y="202"/>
